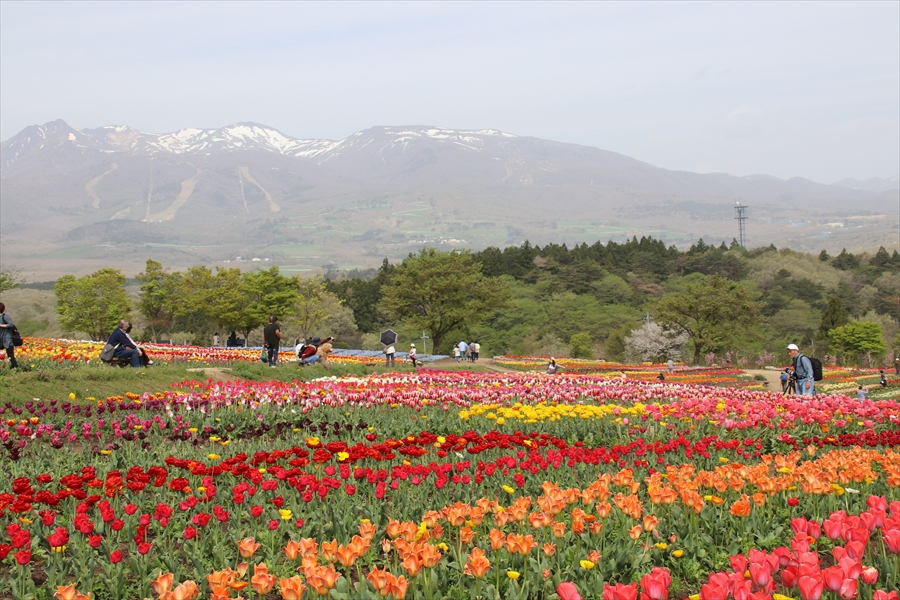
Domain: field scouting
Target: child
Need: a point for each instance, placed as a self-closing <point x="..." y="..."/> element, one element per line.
<point x="456" y="353"/>
<point x="861" y="393"/>
<point x="412" y="355"/>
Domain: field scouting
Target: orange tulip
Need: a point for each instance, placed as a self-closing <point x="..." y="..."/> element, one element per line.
<point x="594" y="557"/>
<point x="321" y="579"/>
<point x="741" y="508"/>
<point x="635" y="532"/>
<point x="186" y="591"/>
<point x="65" y="592"/>
<point x="558" y="529"/>
<point x="346" y="555"/>
<point x="242" y="569"/>
<point x="498" y="540"/>
<point x="477" y="564"/>
<point x="380" y="580"/>
<point x="360" y="545"/>
<point x="456" y="514"/>
<point x="650" y="522"/>
<point x="247" y="547"/>
<point x="412" y="564"/>
<point x="292" y="550"/>
<point x="163" y="583"/>
<point x="262" y="582"/>
<point x="603" y="509"/>
<point x="549" y="549"/>
<point x="291" y="588"/>
<point x="398" y="587"/>
<point x="328" y="550"/>
<point x="408" y="531"/>
<point x="392" y="529"/>
<point x="437" y="532"/>
<point x="466" y="535"/>
<point x="596" y="527"/>
<point x="308" y="546"/>
<point x="431" y="556"/>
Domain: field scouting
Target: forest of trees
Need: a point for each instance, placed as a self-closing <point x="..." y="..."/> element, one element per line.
<point x="637" y="301"/>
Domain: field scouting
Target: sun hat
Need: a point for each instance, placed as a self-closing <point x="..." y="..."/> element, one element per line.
<point x="792" y="347"/>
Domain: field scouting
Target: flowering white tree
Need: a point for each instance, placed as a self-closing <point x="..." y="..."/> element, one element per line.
<point x="653" y="343"/>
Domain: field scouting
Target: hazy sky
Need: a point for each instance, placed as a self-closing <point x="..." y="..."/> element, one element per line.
<point x="788" y="89"/>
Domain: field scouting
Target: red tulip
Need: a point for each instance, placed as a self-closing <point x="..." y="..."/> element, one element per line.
<point x="883" y="595"/>
<point x="115" y="557"/>
<point x="811" y="588"/>
<point x="869" y="575"/>
<point x="848" y="589"/>
<point x="655" y="586"/>
<point x="738" y="563"/>
<point x="789" y="576"/>
<point x="892" y="540"/>
<point x="568" y="591"/>
<point x="760" y="574"/>
<point x="23" y="557"/>
<point x="620" y="591"/>
<point x="833" y="577"/>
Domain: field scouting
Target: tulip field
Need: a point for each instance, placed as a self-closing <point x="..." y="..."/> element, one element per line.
<point x="450" y="485"/>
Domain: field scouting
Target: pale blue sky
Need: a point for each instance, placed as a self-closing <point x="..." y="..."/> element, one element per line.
<point x="788" y="89"/>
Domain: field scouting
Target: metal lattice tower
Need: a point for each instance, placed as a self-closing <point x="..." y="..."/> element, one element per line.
<point x="742" y="226"/>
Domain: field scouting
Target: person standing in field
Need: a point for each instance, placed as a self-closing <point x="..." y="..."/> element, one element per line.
<point x="464" y="350"/>
<point x="272" y="340"/>
<point x="803" y="372"/>
<point x="671" y="365"/>
<point x="412" y="355"/>
<point x="456" y="353"/>
<point x="389" y="353"/>
<point x="6" y="338"/>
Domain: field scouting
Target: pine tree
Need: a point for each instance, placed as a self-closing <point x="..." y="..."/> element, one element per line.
<point x="833" y="316"/>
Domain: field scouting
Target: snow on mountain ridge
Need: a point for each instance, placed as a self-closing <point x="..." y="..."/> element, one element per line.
<point x="236" y="137"/>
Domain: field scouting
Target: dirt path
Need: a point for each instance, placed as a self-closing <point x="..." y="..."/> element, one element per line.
<point x="772" y="377"/>
<point x="450" y="364"/>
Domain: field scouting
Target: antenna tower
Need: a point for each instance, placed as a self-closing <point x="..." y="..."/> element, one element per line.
<point x="742" y="225"/>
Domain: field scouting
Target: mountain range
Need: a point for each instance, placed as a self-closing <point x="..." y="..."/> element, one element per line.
<point x="74" y="200"/>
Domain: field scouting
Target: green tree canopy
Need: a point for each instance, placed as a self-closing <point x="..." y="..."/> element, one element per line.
<point x="156" y="301"/>
<point x="713" y="311"/>
<point x="442" y="291"/>
<point x="860" y="338"/>
<point x="93" y="304"/>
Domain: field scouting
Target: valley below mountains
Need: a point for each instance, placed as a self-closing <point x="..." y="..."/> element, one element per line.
<point x="76" y="200"/>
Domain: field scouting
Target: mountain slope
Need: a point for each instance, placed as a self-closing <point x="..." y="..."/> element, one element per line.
<point x="249" y="190"/>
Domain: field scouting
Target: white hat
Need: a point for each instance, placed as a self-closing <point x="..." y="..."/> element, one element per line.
<point x="412" y="345"/>
<point x="792" y="347"/>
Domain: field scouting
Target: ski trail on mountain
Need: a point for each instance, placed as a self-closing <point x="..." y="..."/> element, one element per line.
<point x="243" y="196"/>
<point x="187" y="188"/>
<point x="91" y="186"/>
<point x="246" y="173"/>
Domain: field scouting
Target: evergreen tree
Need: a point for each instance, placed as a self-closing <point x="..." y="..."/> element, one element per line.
<point x="845" y="261"/>
<point x="824" y="256"/>
<point x="833" y="316"/>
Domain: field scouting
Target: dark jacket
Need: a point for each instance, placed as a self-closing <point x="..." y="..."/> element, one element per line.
<point x="118" y="338"/>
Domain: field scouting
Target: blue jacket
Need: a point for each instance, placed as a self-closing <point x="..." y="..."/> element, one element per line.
<point x="118" y="338"/>
<point x="803" y="368"/>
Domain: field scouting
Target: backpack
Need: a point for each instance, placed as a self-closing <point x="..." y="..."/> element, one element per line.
<point x="816" y="368"/>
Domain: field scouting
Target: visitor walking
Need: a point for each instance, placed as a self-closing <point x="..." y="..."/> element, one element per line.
<point x="272" y="340"/>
